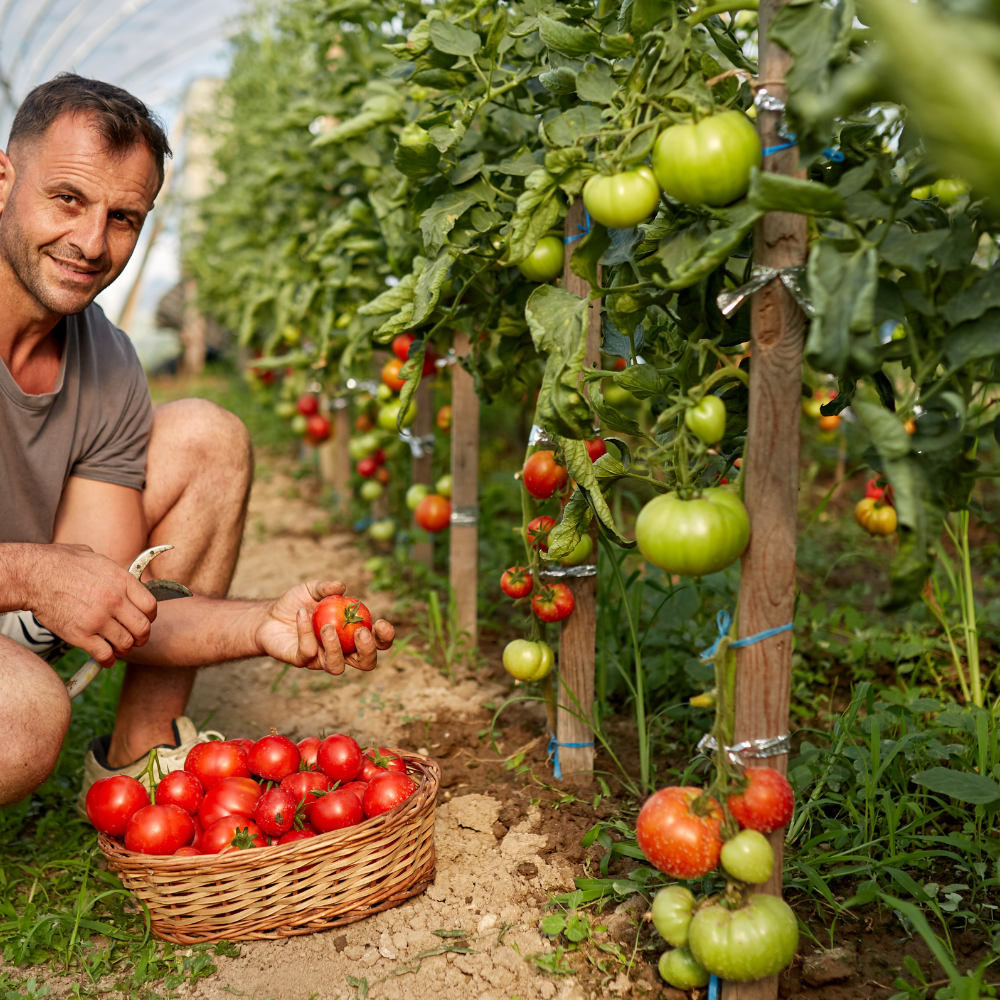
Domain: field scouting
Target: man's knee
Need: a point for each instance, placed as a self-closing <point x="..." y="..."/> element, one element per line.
<point x="36" y="717"/>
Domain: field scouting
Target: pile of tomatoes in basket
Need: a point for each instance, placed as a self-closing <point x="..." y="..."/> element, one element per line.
<point x="239" y="794"/>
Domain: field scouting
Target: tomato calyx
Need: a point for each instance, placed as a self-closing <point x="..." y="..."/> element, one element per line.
<point x="377" y="758"/>
<point x="243" y="839"/>
<point x="351" y="615"/>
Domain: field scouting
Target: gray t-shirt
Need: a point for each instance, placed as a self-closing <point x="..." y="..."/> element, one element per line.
<point x="94" y="425"/>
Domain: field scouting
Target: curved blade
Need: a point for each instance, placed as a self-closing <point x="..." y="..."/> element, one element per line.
<point x="143" y="559"/>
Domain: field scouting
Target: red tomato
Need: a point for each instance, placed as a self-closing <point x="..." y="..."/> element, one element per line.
<point x="243" y="742"/>
<point x="873" y="490"/>
<point x="307" y="750"/>
<point x="304" y="834"/>
<point x="367" y="468"/>
<point x="231" y="832"/>
<point x="390" y="374"/>
<point x="186" y="852"/>
<point x="182" y="789"/>
<point x="444" y="419"/>
<point x="676" y="839"/>
<point x="274" y="757"/>
<point x="301" y="787"/>
<point x="229" y="797"/>
<point x="198" y="831"/>
<point x="768" y="802"/>
<point x="111" y="802"/>
<point x="335" y="810"/>
<point x="596" y="448"/>
<point x="318" y="429"/>
<point x="380" y="761"/>
<point x="363" y="424"/>
<point x="542" y="475"/>
<point x="211" y="762"/>
<point x="339" y="758"/>
<point x="401" y="345"/>
<point x="553" y="602"/>
<point x="538" y="532"/>
<point x="379" y="457"/>
<point x="386" y="791"/>
<point x="620" y="365"/>
<point x="346" y="614"/>
<point x="516" y="582"/>
<point x="382" y="475"/>
<point x="274" y="812"/>
<point x="358" y="787"/>
<point x="307" y="405"/>
<point x="159" y="830"/>
<point x="433" y="513"/>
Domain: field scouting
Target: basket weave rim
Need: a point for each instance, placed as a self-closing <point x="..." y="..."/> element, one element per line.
<point x="377" y="826"/>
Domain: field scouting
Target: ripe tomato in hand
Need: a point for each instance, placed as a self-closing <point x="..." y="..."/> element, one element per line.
<point x="303" y="785"/>
<point x="274" y="812"/>
<point x="596" y="448"/>
<point x="159" y="830"/>
<point x="386" y="791"/>
<point x="542" y="475"/>
<point x="213" y="761"/>
<point x="379" y="761"/>
<point x="180" y="788"/>
<point x="538" y="532"/>
<point x="767" y="803"/>
<point x="111" y="802"/>
<point x="231" y="796"/>
<point x="307" y="750"/>
<point x="553" y="603"/>
<point x="335" y="810"/>
<point x="339" y="758"/>
<point x="433" y="513"/>
<point x="346" y="614"/>
<point x="676" y="839"/>
<point x="232" y="832"/>
<point x="274" y="757"/>
<point x="516" y="582"/>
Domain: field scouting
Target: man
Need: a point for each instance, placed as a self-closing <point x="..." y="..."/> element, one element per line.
<point x="90" y="475"/>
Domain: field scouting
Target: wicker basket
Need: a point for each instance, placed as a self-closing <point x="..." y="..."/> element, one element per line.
<point x="308" y="885"/>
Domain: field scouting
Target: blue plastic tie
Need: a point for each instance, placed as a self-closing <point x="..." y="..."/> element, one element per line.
<point x="553" y="752"/>
<point x="363" y="523"/>
<point x="713" y="988"/>
<point x="583" y="232"/>
<point x="724" y="620"/>
<point x="831" y="154"/>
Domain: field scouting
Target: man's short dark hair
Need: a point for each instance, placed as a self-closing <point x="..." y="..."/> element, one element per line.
<point x="120" y="119"/>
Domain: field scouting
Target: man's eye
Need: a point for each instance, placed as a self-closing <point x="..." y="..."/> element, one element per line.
<point x="119" y="216"/>
<point x="67" y="198"/>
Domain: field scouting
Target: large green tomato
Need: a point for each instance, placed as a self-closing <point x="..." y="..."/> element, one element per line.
<point x="388" y="414"/>
<point x="358" y="448"/>
<point x="707" y="420"/>
<point x="382" y="531"/>
<point x="616" y="395"/>
<point x="748" y="857"/>
<point x="371" y="489"/>
<point x="526" y="660"/>
<point x="623" y="200"/>
<point x="383" y="393"/>
<point x="747" y="944"/>
<point x="671" y="913"/>
<point x="680" y="970"/>
<point x="580" y="554"/>
<point x="708" y="163"/>
<point x="545" y="262"/>
<point x="948" y="189"/>
<point x="693" y="537"/>
<point x="415" y="494"/>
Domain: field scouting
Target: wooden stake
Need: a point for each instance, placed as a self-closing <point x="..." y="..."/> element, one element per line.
<point x="578" y="642"/>
<point x="771" y="468"/>
<point x="464" y="493"/>
<point x="422" y="469"/>
<point x="334" y="458"/>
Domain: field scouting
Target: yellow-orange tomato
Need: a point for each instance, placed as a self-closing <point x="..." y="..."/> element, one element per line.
<point x="876" y="517"/>
<point x="830" y="423"/>
<point x="444" y="419"/>
<point x="390" y="374"/>
<point x="910" y="426"/>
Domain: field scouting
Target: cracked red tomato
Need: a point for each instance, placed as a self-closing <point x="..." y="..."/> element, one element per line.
<point x="678" y="831"/>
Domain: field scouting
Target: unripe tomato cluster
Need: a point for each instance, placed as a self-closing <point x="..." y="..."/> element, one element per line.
<point x="875" y="511"/>
<point x="681" y="832"/>
<point x="243" y="794"/>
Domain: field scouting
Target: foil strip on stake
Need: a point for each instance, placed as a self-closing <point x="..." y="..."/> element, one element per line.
<point x="420" y="445"/>
<point x="465" y="515"/>
<point x="568" y="572"/>
<point x="739" y="753"/>
<point x="539" y="435"/>
<point x="793" y="278"/>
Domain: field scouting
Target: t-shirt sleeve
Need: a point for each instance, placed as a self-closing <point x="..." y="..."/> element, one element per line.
<point x="116" y="453"/>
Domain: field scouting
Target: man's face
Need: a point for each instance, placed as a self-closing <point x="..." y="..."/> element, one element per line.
<point x="72" y="213"/>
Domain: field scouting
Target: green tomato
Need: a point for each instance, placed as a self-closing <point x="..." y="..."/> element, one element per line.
<point x="357" y="448"/>
<point x="693" y="537"/>
<point x="384" y="393"/>
<point x="747" y="944"/>
<point x="615" y="395"/>
<point x="415" y="494"/>
<point x="671" y="913"/>
<point x="299" y="424"/>
<point x="413" y="136"/>
<point x="748" y="857"/>
<point x="526" y="660"/>
<point x="443" y="486"/>
<point x="623" y="200"/>
<point x="545" y="262"/>
<point x="286" y="410"/>
<point x="680" y="970"/>
<point x="949" y="189"/>
<point x="388" y="414"/>
<point x="708" y="163"/>
<point x="707" y="420"/>
<point x="921" y="193"/>
<point x="580" y="554"/>
<point x="371" y="489"/>
<point x="382" y="531"/>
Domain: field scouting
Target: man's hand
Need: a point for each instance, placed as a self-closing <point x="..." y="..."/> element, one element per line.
<point x="85" y="598"/>
<point x="287" y="632"/>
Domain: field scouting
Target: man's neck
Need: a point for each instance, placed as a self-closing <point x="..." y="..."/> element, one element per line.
<point x="29" y="345"/>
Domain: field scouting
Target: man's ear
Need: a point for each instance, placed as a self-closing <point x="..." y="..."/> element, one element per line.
<point x="7" y="177"/>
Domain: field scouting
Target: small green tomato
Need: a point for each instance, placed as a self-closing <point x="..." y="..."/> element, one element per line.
<point x="371" y="489"/>
<point x="671" y="914"/>
<point x="382" y="531"/>
<point x="443" y="486"/>
<point x="707" y="420"/>
<point x="384" y="393"/>
<point x="415" y="494"/>
<point x="680" y="970"/>
<point x="748" y="857"/>
<point x="299" y="424"/>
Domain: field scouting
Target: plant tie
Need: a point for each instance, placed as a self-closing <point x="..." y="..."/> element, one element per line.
<point x="792" y="278"/>
<point x="584" y="230"/>
<point x="724" y="620"/>
<point x="553" y="752"/>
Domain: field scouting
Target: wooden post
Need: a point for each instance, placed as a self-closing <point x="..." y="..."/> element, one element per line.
<point x="422" y="469"/>
<point x="464" y="560"/>
<point x="334" y="458"/>
<point x="578" y="641"/>
<point x="771" y="468"/>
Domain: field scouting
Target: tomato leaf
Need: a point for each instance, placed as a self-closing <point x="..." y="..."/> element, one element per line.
<point x="908" y="250"/>
<point x="584" y="260"/>
<point x="611" y="418"/>
<point x="780" y="193"/>
<point x="594" y="83"/>
<point x="428" y="286"/>
<point x="538" y="209"/>
<point x="439" y="220"/>
<point x="974" y="301"/>
<point x="566" y="38"/>
<point x="974" y="341"/>
<point x="375" y="111"/>
<point x="453" y="39"/>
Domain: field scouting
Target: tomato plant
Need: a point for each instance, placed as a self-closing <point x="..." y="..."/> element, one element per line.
<point x="766" y="804"/>
<point x="542" y="475"/>
<point x="112" y="801"/>
<point x="517" y="582"/>
<point x="274" y="757"/>
<point x="678" y="831"/>
<point x="386" y="791"/>
<point x="157" y="829"/>
<point x="553" y="603"/>
<point x="213" y="761"/>
<point x="346" y="615"/>
<point x="433" y="513"/>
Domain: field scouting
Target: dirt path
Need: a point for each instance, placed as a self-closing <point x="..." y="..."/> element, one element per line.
<point x="491" y="880"/>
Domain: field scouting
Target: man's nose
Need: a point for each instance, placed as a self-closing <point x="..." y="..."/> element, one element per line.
<point x="89" y="234"/>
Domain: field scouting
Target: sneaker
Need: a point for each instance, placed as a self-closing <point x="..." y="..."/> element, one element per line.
<point x="171" y="758"/>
